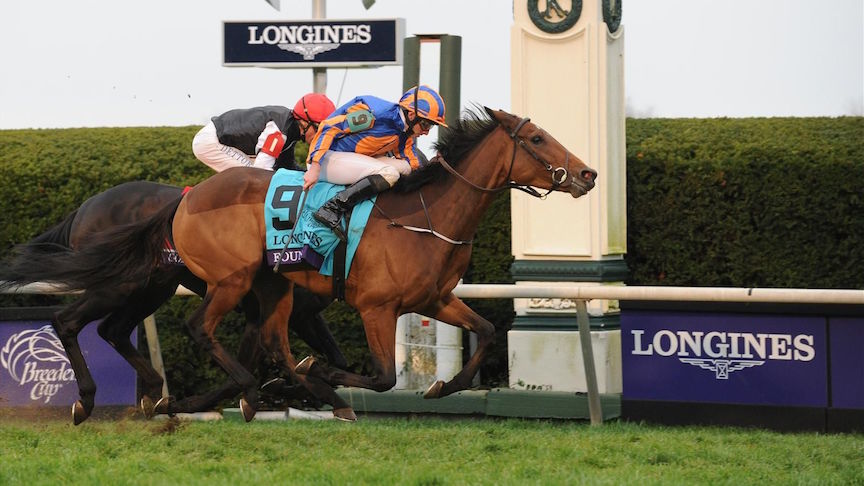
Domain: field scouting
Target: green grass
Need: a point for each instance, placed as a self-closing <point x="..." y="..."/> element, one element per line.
<point x="417" y="451"/>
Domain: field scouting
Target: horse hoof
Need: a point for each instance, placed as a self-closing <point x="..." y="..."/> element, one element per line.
<point x="78" y="413"/>
<point x="273" y="386"/>
<point x="247" y="410"/>
<point x="305" y="366"/>
<point x="434" y="391"/>
<point x="163" y="406"/>
<point x="148" y="408"/>
<point x="345" y="414"/>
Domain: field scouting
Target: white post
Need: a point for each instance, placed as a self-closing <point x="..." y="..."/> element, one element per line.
<point x="448" y="351"/>
<point x="155" y="351"/>
<point x="594" y="410"/>
<point x="401" y="354"/>
<point x="567" y="74"/>
<point x="426" y="350"/>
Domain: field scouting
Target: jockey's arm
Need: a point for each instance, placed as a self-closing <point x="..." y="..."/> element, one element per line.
<point x="415" y="157"/>
<point x="270" y="144"/>
<point x="327" y="133"/>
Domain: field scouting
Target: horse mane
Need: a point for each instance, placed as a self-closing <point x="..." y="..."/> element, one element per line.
<point x="453" y="144"/>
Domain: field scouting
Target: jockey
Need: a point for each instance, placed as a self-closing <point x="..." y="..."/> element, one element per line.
<point x="367" y="144"/>
<point x="234" y="137"/>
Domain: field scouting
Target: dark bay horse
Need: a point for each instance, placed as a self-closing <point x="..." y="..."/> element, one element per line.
<point x="219" y="230"/>
<point x="126" y="304"/>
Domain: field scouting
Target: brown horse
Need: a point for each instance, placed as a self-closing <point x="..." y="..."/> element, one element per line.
<point x="219" y="230"/>
<point x="123" y="306"/>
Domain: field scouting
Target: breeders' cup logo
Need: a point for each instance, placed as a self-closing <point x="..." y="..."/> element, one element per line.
<point x="724" y="352"/>
<point x="310" y="40"/>
<point x="35" y="359"/>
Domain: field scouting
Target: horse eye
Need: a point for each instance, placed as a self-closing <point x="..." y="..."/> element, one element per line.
<point x="536" y="139"/>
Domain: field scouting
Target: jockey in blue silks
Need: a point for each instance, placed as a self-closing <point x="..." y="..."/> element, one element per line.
<point x="367" y="144"/>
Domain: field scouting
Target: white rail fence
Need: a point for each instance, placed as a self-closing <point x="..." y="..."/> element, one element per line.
<point x="581" y="294"/>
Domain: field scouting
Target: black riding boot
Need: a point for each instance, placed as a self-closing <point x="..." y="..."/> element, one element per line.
<point x="330" y="214"/>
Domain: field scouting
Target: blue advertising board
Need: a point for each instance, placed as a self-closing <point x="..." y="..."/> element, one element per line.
<point x="847" y="365"/>
<point x="726" y="358"/>
<point x="314" y="43"/>
<point x="35" y="371"/>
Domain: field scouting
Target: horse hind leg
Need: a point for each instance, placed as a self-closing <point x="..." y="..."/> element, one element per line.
<point x="276" y="299"/>
<point x="220" y="299"/>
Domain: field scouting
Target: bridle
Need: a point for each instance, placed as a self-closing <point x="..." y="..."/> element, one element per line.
<point x="560" y="175"/>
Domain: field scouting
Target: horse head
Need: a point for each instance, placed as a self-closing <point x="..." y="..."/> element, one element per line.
<point x="538" y="160"/>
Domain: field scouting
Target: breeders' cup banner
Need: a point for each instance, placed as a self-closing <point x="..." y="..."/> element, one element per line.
<point x="314" y="43"/>
<point x="34" y="369"/>
<point x="749" y="359"/>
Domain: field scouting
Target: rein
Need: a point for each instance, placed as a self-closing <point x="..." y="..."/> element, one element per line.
<point x="559" y="174"/>
<point x="428" y="230"/>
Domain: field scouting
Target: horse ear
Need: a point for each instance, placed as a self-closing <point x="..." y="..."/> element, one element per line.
<point x="490" y="112"/>
<point x="505" y="119"/>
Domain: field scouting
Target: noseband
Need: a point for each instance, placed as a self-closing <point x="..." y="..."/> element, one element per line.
<point x="560" y="175"/>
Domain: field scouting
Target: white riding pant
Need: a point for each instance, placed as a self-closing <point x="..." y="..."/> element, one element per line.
<point x="219" y="157"/>
<point x="349" y="167"/>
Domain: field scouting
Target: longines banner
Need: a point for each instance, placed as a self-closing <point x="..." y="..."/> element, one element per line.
<point x="847" y="367"/>
<point x="314" y="43"/>
<point x="725" y="358"/>
<point x="34" y="369"/>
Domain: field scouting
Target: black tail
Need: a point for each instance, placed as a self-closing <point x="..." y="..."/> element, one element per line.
<point x="117" y="257"/>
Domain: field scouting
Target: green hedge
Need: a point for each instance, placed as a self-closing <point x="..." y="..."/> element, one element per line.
<point x="45" y="174"/>
<point x="775" y="202"/>
<point x="729" y="202"/>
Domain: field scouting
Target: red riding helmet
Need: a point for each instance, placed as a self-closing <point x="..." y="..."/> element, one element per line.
<point x="314" y="108"/>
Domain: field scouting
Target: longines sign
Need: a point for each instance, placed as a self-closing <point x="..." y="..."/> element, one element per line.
<point x="725" y="358"/>
<point x="314" y="43"/>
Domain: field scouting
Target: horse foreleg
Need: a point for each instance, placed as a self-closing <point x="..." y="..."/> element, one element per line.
<point x="454" y="312"/>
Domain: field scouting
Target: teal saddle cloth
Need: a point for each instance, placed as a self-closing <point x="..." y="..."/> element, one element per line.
<point x="284" y="199"/>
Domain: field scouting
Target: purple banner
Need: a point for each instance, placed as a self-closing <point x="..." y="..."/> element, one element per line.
<point x="847" y="367"/>
<point x="34" y="369"/>
<point x="724" y="358"/>
<point x="295" y="258"/>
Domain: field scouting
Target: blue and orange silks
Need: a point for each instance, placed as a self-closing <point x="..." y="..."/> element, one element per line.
<point x="387" y="134"/>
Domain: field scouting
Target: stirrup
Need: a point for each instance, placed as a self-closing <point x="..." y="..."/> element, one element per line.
<point x="336" y="227"/>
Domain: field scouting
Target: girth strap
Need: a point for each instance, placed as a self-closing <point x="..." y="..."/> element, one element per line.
<point x="339" y="257"/>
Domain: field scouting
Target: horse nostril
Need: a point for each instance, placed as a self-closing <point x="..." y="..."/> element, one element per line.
<point x="589" y="175"/>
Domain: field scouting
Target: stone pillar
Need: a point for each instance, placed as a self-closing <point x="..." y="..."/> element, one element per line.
<point x="567" y="74"/>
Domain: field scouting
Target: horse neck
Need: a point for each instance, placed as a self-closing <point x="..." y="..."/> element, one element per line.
<point x="464" y="206"/>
